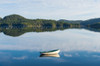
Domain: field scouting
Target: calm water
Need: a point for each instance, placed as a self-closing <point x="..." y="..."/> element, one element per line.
<point x="79" y="47"/>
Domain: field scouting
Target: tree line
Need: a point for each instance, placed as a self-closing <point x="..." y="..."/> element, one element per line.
<point x="19" y="21"/>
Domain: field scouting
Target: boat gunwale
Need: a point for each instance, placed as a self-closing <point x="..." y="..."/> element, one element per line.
<point x="50" y="51"/>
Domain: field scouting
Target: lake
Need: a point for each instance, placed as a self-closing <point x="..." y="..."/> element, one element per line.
<point x="79" y="47"/>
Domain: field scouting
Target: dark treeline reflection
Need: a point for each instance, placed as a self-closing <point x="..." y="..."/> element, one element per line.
<point x="19" y="30"/>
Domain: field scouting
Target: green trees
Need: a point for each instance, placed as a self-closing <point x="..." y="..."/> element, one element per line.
<point x="0" y="18"/>
<point x="19" y="21"/>
<point x="13" y="19"/>
<point x="96" y="25"/>
<point x="4" y="25"/>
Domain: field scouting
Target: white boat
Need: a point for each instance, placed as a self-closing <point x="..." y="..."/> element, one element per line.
<point x="51" y="52"/>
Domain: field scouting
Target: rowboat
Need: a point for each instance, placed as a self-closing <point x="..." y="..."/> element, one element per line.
<point x="51" y="52"/>
<point x="49" y="55"/>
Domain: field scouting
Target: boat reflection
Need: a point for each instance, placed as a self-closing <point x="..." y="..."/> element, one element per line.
<point x="49" y="55"/>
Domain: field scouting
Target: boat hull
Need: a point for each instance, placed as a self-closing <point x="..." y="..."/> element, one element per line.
<point x="53" y="52"/>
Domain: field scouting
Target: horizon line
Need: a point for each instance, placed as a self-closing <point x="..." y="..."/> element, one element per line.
<point x="54" y="19"/>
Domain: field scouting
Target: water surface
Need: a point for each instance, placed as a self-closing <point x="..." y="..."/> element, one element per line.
<point x="79" y="47"/>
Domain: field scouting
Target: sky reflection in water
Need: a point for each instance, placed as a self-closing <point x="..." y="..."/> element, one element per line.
<point x="78" y="47"/>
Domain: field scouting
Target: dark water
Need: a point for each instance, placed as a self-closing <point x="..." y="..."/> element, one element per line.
<point x="79" y="47"/>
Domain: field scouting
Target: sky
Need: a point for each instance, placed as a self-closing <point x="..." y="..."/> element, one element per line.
<point x="52" y="9"/>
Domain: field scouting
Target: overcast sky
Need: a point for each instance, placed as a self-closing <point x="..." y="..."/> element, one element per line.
<point x="52" y="9"/>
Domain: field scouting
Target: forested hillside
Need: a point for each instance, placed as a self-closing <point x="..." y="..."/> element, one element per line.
<point x="19" y="21"/>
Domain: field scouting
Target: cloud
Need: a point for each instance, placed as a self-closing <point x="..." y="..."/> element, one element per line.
<point x="96" y="56"/>
<point x="68" y="55"/>
<point x="52" y="9"/>
<point x="20" y="58"/>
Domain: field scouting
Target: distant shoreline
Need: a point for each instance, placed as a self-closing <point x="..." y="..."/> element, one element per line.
<point x="19" y="21"/>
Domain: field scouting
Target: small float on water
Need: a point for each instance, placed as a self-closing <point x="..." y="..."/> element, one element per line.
<point x="50" y="52"/>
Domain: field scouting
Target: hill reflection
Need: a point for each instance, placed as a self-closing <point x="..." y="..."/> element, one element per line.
<point x="20" y="31"/>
